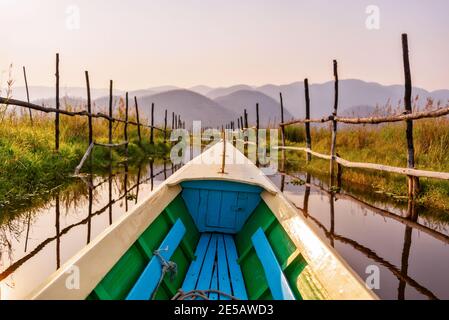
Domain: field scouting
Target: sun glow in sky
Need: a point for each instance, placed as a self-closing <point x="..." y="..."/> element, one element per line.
<point x="141" y="44"/>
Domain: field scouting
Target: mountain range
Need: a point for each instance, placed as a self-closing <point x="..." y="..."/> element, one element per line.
<point x="215" y="106"/>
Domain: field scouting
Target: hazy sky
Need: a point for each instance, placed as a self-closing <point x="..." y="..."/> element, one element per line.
<point x="222" y="42"/>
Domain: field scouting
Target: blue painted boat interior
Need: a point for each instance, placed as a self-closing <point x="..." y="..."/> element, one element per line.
<point x="220" y="206"/>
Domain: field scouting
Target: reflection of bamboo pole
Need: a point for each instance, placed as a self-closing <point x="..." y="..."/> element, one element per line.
<point x="110" y="188"/>
<point x="332" y="216"/>
<point x="126" y="186"/>
<point x="307" y="195"/>
<point x="408" y="222"/>
<point x="89" y="213"/>
<point x="57" y="224"/>
<point x="406" y="249"/>
<point x="374" y="256"/>
<point x="8" y="271"/>
<point x="28" y="231"/>
<point x="138" y="182"/>
<point x="151" y="174"/>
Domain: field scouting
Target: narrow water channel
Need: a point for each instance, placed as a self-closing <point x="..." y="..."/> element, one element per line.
<point x="409" y="245"/>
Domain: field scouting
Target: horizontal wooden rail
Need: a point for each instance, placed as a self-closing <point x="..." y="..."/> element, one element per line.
<point x="373" y="166"/>
<point x="316" y="154"/>
<point x="440" y="112"/>
<point x="69" y="113"/>
<point x="111" y="145"/>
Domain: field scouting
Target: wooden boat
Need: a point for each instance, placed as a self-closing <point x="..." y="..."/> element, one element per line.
<point x="208" y="235"/>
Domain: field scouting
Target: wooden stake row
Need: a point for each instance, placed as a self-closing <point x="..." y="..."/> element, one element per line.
<point x="409" y="116"/>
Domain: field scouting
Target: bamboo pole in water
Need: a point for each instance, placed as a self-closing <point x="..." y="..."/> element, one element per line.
<point x="110" y="111"/>
<point x="57" y="105"/>
<point x="307" y="124"/>
<point x="89" y="109"/>
<point x="257" y="134"/>
<point x="334" y="126"/>
<point x="125" y="133"/>
<point x="165" y="127"/>
<point x="282" y="167"/>
<point x="412" y="182"/>
<point x="28" y="93"/>
<point x="152" y="125"/>
<point x="137" y="119"/>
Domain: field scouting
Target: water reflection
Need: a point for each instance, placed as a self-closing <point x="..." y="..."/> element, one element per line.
<point x="419" y="265"/>
<point x="55" y="231"/>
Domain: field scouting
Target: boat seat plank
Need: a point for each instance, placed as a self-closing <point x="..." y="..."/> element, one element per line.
<point x="224" y="283"/>
<point x="276" y="279"/>
<point x="238" y="284"/>
<point x="216" y="268"/>
<point x="205" y="277"/>
<point x="214" y="284"/>
<point x="191" y="277"/>
<point x="148" y="280"/>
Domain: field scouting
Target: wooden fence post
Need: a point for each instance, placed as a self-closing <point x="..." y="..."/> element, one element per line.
<point x="246" y="119"/>
<point x="89" y="109"/>
<point x="334" y="126"/>
<point x="257" y="134"/>
<point x="28" y="93"/>
<point x="307" y="124"/>
<point x="152" y="125"/>
<point x="165" y="127"/>
<point x="110" y="111"/>
<point x="137" y="119"/>
<point x="413" y="182"/>
<point x="172" y="120"/>
<point x="282" y="167"/>
<point x="176" y="121"/>
<point x="238" y="123"/>
<point x="57" y="105"/>
<point x="125" y="133"/>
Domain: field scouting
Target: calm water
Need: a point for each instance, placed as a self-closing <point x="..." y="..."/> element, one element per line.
<point x="409" y="245"/>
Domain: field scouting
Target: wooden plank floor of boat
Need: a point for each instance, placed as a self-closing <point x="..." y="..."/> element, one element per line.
<point x="216" y="268"/>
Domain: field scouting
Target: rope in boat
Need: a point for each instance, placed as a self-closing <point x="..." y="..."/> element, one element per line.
<point x="194" y="294"/>
<point x="167" y="267"/>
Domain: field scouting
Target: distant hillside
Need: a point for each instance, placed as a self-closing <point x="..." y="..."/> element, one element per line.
<point x="353" y="93"/>
<point x="269" y="109"/>
<point x="190" y="105"/>
<point x="41" y="92"/>
<point x="220" y="92"/>
<point x="204" y="90"/>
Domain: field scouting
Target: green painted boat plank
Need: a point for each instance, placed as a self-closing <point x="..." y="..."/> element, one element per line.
<point x="178" y="210"/>
<point x="149" y="278"/>
<point x="261" y="218"/>
<point x="254" y="276"/>
<point x="182" y="264"/>
<point x="153" y="236"/>
<point x="122" y="277"/>
<point x="292" y="273"/>
<point x="281" y="244"/>
<point x="278" y="283"/>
